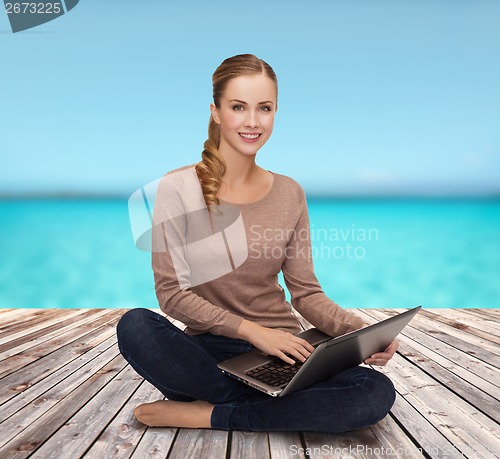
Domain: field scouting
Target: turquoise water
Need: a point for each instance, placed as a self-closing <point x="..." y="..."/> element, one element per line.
<point x="368" y="253"/>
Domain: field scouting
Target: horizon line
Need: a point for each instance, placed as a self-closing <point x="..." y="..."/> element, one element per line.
<point x="310" y="195"/>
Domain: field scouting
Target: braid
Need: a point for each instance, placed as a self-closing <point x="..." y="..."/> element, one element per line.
<point x="212" y="167"/>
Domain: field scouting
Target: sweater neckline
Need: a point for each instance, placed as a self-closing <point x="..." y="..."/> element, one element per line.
<point x="254" y="203"/>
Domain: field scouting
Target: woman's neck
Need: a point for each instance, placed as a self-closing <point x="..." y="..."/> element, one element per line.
<point x="240" y="171"/>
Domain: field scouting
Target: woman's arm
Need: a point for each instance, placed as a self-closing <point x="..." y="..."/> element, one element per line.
<point x="307" y="295"/>
<point x="176" y="217"/>
<point x="185" y="305"/>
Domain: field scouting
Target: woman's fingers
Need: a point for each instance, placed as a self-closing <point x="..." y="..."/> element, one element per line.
<point x="381" y="358"/>
<point x="297" y="348"/>
<point x="281" y="344"/>
<point x="283" y="356"/>
<point x="392" y="348"/>
<point x="378" y="359"/>
<point x="307" y="346"/>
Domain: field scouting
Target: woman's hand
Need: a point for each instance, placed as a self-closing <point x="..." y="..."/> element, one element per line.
<point x="275" y="342"/>
<point x="381" y="358"/>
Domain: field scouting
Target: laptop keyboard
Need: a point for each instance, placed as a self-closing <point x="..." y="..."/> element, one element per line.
<point x="276" y="373"/>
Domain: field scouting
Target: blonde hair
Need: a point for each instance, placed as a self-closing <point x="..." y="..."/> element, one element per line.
<point x="212" y="167"/>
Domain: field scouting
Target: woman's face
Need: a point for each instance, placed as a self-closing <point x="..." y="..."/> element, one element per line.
<point x="246" y="114"/>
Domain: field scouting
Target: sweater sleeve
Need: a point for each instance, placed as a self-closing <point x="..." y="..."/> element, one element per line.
<point x="172" y="270"/>
<point x="307" y="296"/>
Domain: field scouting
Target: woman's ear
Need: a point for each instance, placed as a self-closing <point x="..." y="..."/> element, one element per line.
<point x="215" y="113"/>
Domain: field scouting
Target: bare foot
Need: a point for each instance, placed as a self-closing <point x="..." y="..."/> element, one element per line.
<point x="170" y="413"/>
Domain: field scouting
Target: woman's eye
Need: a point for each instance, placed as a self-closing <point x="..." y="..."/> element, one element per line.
<point x="266" y="108"/>
<point x="238" y="107"/>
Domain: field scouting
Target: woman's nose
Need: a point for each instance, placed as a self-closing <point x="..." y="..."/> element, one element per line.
<point x="251" y="119"/>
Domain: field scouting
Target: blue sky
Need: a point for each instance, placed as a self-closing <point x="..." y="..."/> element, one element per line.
<point x="374" y="96"/>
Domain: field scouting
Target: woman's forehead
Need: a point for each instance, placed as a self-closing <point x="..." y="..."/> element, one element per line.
<point x="251" y="89"/>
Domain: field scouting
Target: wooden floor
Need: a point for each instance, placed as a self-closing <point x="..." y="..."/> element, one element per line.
<point x="66" y="392"/>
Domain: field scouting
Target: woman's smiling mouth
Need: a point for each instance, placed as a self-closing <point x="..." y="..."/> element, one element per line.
<point x="249" y="137"/>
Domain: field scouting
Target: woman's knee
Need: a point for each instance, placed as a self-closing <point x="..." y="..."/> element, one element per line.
<point x="375" y="397"/>
<point x="383" y="394"/>
<point x="130" y="325"/>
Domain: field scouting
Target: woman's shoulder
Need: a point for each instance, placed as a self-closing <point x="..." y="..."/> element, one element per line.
<point x="289" y="185"/>
<point x="181" y="185"/>
<point x="182" y="170"/>
<point x="179" y="176"/>
<point x="286" y="179"/>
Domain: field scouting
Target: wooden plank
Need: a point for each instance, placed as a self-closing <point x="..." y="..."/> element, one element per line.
<point x="483" y="395"/>
<point x="419" y="430"/>
<point x="29" y="318"/>
<point x="11" y="342"/>
<point x="359" y="444"/>
<point x="29" y="413"/>
<point x="38" y="369"/>
<point x="32" y="354"/>
<point x="30" y="439"/>
<point x="9" y="313"/>
<point x="464" y="359"/>
<point x="6" y="315"/>
<point x="457" y="377"/>
<point x="249" y="444"/>
<point x="472" y="344"/>
<point x="286" y="445"/>
<point x="48" y="327"/>
<point x="121" y="436"/>
<point x="484" y="313"/>
<point x="155" y="443"/>
<point x="34" y="331"/>
<point x="447" y="412"/>
<point x="17" y="356"/>
<point x="82" y="430"/>
<point x="464" y="426"/>
<point x="472" y="326"/>
<point x="385" y="439"/>
<point x="394" y="440"/>
<point x="484" y="320"/>
<point x="199" y="444"/>
<point x="417" y="418"/>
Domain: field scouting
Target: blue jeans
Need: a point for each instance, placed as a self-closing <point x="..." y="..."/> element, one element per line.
<point x="184" y="368"/>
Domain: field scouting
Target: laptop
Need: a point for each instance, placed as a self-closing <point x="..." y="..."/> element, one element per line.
<point x="275" y="377"/>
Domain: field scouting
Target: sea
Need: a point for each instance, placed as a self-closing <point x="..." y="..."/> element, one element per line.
<point x="367" y="253"/>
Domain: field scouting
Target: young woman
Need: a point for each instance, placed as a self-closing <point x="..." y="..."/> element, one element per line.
<point x="223" y="230"/>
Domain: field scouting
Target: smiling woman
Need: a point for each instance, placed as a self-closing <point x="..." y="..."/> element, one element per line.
<point x="239" y="305"/>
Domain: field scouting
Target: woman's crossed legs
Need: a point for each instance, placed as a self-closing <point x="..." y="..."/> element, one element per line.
<point x="184" y="368"/>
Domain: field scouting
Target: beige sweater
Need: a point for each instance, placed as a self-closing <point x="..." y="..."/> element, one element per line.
<point x="211" y="271"/>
